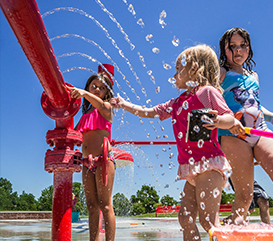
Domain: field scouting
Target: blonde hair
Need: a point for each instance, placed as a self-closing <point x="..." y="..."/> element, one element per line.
<point x="203" y="65"/>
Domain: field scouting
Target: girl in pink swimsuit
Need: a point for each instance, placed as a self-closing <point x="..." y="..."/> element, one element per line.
<point x="201" y="162"/>
<point x="95" y="124"/>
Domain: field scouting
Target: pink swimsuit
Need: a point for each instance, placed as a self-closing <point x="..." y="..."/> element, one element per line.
<point x="92" y="121"/>
<point x="192" y="158"/>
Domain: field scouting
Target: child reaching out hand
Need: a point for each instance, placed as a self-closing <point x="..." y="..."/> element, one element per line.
<point x="95" y="124"/>
<point x="203" y="168"/>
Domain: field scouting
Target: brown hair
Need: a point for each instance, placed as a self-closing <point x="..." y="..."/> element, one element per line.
<point x="249" y="63"/>
<point x="86" y="104"/>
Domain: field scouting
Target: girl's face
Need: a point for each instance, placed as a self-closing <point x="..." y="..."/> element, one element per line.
<point x="181" y="75"/>
<point x="98" y="88"/>
<point x="240" y="50"/>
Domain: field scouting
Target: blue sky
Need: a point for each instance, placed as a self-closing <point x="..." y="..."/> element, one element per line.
<point x="24" y="124"/>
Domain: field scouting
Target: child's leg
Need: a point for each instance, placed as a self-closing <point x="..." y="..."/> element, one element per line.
<point x="188" y="213"/>
<point x="240" y="156"/>
<point x="209" y="186"/>
<point x="105" y="201"/>
<point x="90" y="190"/>
<point x="263" y="153"/>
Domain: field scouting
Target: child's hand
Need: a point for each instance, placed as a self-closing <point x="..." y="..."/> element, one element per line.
<point x="212" y="122"/>
<point x="237" y="128"/>
<point x="117" y="102"/>
<point x="75" y="92"/>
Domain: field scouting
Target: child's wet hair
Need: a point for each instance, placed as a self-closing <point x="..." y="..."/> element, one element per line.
<point x="203" y="65"/>
<point x="101" y="76"/>
<point x="249" y="63"/>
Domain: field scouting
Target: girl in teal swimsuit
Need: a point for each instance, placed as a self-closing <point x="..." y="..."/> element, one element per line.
<point x="241" y="93"/>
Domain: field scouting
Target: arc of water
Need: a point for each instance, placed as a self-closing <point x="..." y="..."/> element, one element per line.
<point x="111" y="16"/>
<point x="105" y="54"/>
<point x="76" y="10"/>
<point x="71" y="9"/>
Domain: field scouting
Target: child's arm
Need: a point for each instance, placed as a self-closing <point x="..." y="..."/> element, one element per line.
<point x="225" y="121"/>
<point x="268" y="115"/>
<point x="104" y="108"/>
<point x="119" y="102"/>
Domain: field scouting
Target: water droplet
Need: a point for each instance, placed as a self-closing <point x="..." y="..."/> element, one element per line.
<point x="155" y="50"/>
<point x="161" y="165"/>
<point x="191" y="83"/>
<point x="148" y="37"/>
<point x="148" y="101"/>
<point x="202" y="194"/>
<point x="190" y="152"/>
<point x="157" y="89"/>
<point x="149" y="72"/>
<point x="171" y="80"/>
<point x="170" y="167"/>
<point x="143" y="90"/>
<point x="190" y="219"/>
<point x="191" y="161"/>
<point x="141" y="122"/>
<point x="167" y="66"/>
<point x="196" y="129"/>
<point x="166" y="186"/>
<point x="200" y="143"/>
<point x="180" y="135"/>
<point x="156" y="116"/>
<point x="171" y="156"/>
<point x="203" y="158"/>
<point x="169" y="109"/>
<point x="216" y="192"/>
<point x="148" y="135"/>
<point x="162" y="15"/>
<point x="131" y="9"/>
<point x="202" y="205"/>
<point x="206" y="119"/>
<point x="165" y="136"/>
<point x="177" y="179"/>
<point x="164" y="150"/>
<point x="182" y="194"/>
<point x="179" y="110"/>
<point x="156" y="154"/>
<point x="175" y="41"/>
<point x="140" y="22"/>
<point x="173" y="121"/>
<point x="207" y="218"/>
<point x="183" y="60"/>
<point x="142" y="60"/>
<point x="185" y="105"/>
<point x="163" y="174"/>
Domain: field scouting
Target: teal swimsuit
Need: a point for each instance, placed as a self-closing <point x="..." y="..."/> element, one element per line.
<point x="241" y="93"/>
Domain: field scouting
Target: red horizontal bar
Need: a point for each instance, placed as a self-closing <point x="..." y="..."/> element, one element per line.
<point x="113" y="142"/>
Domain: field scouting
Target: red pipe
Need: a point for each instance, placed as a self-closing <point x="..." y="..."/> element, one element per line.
<point x="26" y="22"/>
<point x="113" y="142"/>
<point x="62" y="198"/>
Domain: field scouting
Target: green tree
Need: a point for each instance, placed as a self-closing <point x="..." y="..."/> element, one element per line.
<point x="77" y="189"/>
<point x="8" y="199"/>
<point x="147" y="197"/>
<point x="45" y="200"/>
<point x="168" y="201"/>
<point x="26" y="202"/>
<point x="227" y="198"/>
<point x="122" y="206"/>
<point x="137" y="208"/>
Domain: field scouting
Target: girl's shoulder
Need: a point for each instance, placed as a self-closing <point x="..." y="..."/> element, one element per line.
<point x="223" y="72"/>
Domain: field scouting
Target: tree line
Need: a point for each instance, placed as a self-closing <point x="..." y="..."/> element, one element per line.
<point x="144" y="201"/>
